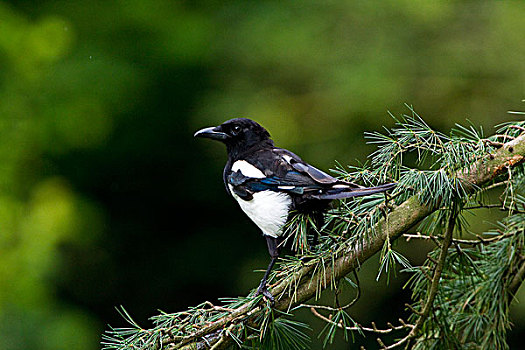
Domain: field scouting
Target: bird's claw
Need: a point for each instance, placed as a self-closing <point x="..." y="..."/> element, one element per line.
<point x="263" y="290"/>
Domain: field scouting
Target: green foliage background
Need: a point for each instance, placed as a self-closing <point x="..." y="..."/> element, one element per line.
<point x="106" y="199"/>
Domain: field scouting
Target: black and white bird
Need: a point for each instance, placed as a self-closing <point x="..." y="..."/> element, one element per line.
<point x="269" y="182"/>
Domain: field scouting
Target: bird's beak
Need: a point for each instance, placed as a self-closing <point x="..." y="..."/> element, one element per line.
<point x="212" y="133"/>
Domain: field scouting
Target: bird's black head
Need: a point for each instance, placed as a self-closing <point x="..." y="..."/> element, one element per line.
<point x="239" y="135"/>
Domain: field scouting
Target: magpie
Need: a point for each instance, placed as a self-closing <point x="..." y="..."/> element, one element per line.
<point x="269" y="183"/>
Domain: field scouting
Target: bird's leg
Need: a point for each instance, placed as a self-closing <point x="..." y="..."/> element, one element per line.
<point x="315" y="238"/>
<point x="273" y="249"/>
<point x="263" y="289"/>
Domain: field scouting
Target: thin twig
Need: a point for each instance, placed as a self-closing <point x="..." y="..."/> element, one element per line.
<point x="494" y="185"/>
<point x="433" y="287"/>
<point x="374" y="329"/>
<point x="517" y="127"/>
<point x="518" y="278"/>
<point x="333" y="309"/>
<point x="480" y="239"/>
<point x="504" y="136"/>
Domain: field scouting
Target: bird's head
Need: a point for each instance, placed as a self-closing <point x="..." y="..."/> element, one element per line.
<point x="239" y="135"/>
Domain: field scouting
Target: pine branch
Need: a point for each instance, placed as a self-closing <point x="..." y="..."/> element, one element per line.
<point x="377" y="225"/>
<point x="399" y="220"/>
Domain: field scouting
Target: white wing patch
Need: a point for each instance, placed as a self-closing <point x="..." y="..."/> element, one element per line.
<point x="247" y="169"/>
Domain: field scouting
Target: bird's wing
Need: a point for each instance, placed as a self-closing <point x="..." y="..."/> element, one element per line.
<point x="292" y="162"/>
<point x="280" y="170"/>
<point x="277" y="169"/>
<point x="305" y="169"/>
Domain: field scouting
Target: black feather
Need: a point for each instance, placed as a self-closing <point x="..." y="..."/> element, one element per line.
<point x="332" y="194"/>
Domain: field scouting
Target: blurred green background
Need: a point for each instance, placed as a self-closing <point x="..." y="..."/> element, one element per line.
<point x="106" y="199"/>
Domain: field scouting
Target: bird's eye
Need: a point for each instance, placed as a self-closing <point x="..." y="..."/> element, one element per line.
<point x="236" y="129"/>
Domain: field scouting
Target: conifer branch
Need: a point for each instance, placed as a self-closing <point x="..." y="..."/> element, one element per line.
<point x="399" y="220"/>
<point x="305" y="280"/>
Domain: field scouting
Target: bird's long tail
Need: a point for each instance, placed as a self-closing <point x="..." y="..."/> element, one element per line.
<point x="341" y="192"/>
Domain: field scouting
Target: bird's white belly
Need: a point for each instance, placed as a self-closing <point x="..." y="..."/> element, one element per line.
<point x="267" y="209"/>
